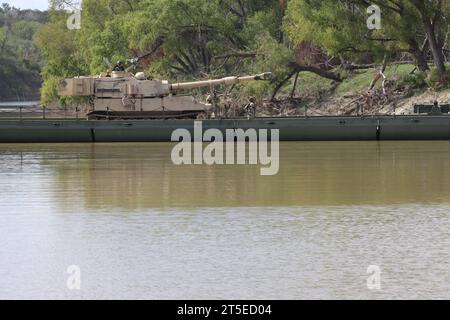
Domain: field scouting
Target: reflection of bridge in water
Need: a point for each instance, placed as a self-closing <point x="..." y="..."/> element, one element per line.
<point x="141" y="176"/>
<point x="19" y="104"/>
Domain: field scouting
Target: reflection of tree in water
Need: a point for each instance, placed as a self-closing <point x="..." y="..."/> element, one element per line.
<point x="136" y="176"/>
<point x="142" y="175"/>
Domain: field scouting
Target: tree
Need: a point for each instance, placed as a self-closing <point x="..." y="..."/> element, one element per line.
<point x="340" y="28"/>
<point x="179" y="39"/>
<point x="195" y="39"/>
<point x="63" y="57"/>
<point x="434" y="17"/>
<point x="19" y="58"/>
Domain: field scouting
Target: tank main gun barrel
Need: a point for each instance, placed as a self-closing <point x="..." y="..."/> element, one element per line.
<point x="225" y="81"/>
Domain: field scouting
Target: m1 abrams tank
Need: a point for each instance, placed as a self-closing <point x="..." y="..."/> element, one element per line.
<point x="123" y="95"/>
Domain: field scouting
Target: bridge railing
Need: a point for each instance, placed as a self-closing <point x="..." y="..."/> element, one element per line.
<point x="41" y="113"/>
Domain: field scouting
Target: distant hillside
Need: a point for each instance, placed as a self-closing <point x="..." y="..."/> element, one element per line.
<point x="20" y="60"/>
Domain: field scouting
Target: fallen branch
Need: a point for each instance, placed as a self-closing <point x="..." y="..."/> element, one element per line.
<point x="321" y="72"/>
<point x="378" y="76"/>
<point x="351" y="67"/>
<point x="297" y="68"/>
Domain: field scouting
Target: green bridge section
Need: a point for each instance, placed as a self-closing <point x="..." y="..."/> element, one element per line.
<point x="291" y="129"/>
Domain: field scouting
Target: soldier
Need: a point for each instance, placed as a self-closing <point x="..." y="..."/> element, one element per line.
<point x="250" y="108"/>
<point x="436" y="110"/>
<point x="119" y="66"/>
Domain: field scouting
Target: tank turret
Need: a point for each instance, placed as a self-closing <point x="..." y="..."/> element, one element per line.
<point x="120" y="94"/>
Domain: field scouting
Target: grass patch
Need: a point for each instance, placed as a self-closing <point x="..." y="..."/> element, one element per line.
<point x="361" y="81"/>
<point x="309" y="85"/>
<point x="312" y="85"/>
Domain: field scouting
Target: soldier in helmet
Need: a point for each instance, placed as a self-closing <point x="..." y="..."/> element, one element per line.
<point x="250" y="108"/>
<point x="119" y="66"/>
<point x="436" y="109"/>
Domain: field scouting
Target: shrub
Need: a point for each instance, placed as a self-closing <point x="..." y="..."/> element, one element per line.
<point x="438" y="82"/>
<point x="417" y="80"/>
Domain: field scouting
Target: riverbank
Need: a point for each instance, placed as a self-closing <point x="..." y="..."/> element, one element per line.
<point x="313" y="96"/>
<point x="350" y="104"/>
<point x="404" y="86"/>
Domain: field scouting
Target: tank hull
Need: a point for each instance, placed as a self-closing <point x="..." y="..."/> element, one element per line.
<point x="291" y="129"/>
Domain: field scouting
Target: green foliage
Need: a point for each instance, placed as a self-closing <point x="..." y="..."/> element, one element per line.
<point x="198" y="39"/>
<point x="48" y="90"/>
<point x="417" y="80"/>
<point x="270" y="55"/>
<point x="312" y="85"/>
<point x="190" y="39"/>
<point x="341" y="27"/>
<point x="437" y="81"/>
<point x="360" y="82"/>
<point x="25" y="30"/>
<point x="20" y="60"/>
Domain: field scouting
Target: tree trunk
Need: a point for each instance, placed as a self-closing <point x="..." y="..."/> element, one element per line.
<point x="295" y="85"/>
<point x="297" y="68"/>
<point x="419" y="55"/>
<point x="438" y="55"/>
<point x="323" y="73"/>
<point x="281" y="84"/>
<point x="430" y="24"/>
